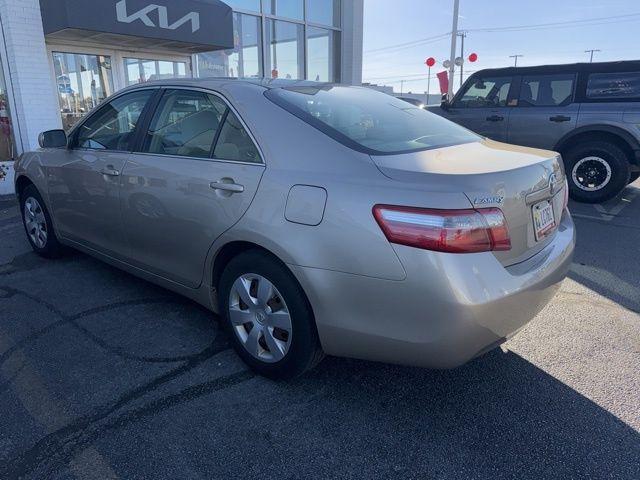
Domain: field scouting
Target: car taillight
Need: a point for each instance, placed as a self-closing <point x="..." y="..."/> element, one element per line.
<point x="453" y="231"/>
<point x="566" y="194"/>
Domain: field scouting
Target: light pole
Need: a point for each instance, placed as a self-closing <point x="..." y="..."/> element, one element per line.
<point x="515" y="57"/>
<point x="462" y="36"/>
<point x="592" y="51"/>
<point x="452" y="57"/>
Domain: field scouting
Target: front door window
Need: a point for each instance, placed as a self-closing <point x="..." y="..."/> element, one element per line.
<point x="139" y="70"/>
<point x="485" y="93"/>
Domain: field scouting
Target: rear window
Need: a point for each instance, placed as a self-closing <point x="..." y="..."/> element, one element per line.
<point x="370" y="121"/>
<point x="613" y="85"/>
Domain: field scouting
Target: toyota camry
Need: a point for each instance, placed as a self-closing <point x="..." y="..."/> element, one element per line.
<point x="313" y="218"/>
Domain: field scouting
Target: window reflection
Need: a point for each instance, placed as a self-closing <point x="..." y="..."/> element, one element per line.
<point x="83" y="82"/>
<point x="286" y="49"/>
<point x="322" y="54"/>
<point x="284" y="8"/>
<point x="141" y="70"/>
<point x="325" y="12"/>
<point x="244" y="60"/>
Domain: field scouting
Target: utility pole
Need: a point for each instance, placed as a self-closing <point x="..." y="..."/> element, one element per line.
<point x="592" y="52"/>
<point x="462" y="36"/>
<point x="452" y="57"/>
<point x="401" y="87"/>
<point x="515" y="57"/>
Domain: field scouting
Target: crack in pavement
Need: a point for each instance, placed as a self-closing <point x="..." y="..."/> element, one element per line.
<point x="58" y="448"/>
<point x="71" y="320"/>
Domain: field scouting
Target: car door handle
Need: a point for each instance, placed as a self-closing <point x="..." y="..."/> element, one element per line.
<point x="495" y="118"/>
<point x="560" y="118"/>
<point x="227" y="187"/>
<point x="110" y="171"/>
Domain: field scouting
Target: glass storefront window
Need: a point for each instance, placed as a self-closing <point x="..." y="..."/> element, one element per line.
<point x="140" y="70"/>
<point x="285" y="49"/>
<point x="284" y="8"/>
<point x="325" y="12"/>
<point x="83" y="82"/>
<point x="252" y="5"/>
<point x="245" y="60"/>
<point x="7" y="145"/>
<point x="323" y="54"/>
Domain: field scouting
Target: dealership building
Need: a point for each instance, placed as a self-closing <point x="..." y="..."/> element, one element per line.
<point x="61" y="58"/>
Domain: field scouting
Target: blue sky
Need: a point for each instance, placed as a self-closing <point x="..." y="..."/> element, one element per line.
<point x="388" y="23"/>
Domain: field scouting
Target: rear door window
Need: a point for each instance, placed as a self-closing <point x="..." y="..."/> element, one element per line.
<point x="485" y="93"/>
<point x="185" y="124"/>
<point x="546" y="90"/>
<point x="611" y="86"/>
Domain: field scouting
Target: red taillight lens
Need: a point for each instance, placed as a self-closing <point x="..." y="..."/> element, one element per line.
<point x="453" y="231"/>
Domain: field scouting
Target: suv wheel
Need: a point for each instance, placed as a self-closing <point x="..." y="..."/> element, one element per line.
<point x="597" y="171"/>
<point x="38" y="225"/>
<point x="271" y="322"/>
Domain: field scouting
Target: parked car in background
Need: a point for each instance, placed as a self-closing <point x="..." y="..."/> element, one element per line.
<point x="589" y="112"/>
<point x="313" y="217"/>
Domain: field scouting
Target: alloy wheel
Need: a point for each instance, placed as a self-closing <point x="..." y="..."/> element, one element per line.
<point x="35" y="222"/>
<point x="591" y="173"/>
<point x="260" y="318"/>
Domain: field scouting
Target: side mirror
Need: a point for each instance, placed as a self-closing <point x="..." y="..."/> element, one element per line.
<point x="445" y="105"/>
<point x="53" y="139"/>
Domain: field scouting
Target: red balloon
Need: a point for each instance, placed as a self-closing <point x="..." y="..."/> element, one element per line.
<point x="430" y="62"/>
<point x="473" y="57"/>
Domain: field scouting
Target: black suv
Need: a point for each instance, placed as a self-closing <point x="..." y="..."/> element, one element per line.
<point x="589" y="112"/>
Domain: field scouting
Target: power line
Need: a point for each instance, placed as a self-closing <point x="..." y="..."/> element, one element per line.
<point x="586" y="22"/>
<point x="411" y="43"/>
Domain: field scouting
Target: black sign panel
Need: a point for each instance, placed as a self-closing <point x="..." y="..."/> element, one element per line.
<point x="204" y="23"/>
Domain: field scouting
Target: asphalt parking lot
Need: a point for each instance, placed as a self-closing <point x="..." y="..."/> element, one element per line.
<point x="103" y="375"/>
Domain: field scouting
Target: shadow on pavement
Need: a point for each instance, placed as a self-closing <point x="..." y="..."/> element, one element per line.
<point x="607" y="256"/>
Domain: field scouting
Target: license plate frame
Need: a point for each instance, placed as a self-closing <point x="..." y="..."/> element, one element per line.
<point x="544" y="219"/>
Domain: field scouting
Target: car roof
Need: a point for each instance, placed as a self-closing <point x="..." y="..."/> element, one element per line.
<point x="213" y="82"/>
<point x="563" y="68"/>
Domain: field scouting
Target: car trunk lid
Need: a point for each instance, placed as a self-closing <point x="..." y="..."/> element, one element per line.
<point x="490" y="174"/>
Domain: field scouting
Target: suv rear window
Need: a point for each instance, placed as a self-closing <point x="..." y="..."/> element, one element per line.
<point x="613" y="85"/>
<point x="369" y="121"/>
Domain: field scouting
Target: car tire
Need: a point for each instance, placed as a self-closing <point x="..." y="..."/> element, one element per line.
<point x="277" y="350"/>
<point x="605" y="162"/>
<point x="634" y="176"/>
<point x="38" y="225"/>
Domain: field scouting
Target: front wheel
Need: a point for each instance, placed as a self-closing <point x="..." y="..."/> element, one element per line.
<point x="38" y="225"/>
<point x="271" y="322"/>
<point x="596" y="171"/>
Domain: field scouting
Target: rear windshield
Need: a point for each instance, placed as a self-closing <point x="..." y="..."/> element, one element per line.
<point x="370" y="121"/>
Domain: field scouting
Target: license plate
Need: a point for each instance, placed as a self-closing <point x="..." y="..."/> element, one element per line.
<point x="543" y="220"/>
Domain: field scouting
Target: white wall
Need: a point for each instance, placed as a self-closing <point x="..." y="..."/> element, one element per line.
<point x="35" y="106"/>
<point x="352" y="35"/>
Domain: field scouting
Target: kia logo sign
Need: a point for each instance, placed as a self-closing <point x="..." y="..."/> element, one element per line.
<point x="163" y="17"/>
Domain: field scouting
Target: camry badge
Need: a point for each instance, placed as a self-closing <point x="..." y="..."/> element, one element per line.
<point x="488" y="200"/>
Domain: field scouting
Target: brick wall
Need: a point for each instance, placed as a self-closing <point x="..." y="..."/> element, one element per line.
<point x="35" y="99"/>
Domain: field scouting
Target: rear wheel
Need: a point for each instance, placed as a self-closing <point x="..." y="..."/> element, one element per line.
<point x="596" y="171"/>
<point x="271" y="322"/>
<point x="38" y="225"/>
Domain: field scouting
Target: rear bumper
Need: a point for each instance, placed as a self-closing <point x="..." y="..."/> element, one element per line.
<point x="449" y="309"/>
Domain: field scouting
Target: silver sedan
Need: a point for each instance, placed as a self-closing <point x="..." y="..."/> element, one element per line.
<point x="314" y="218"/>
